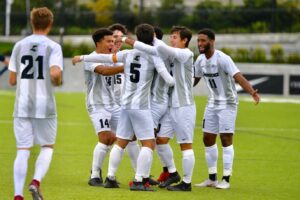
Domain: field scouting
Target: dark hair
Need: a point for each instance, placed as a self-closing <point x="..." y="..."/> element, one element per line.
<point x="210" y="33"/>
<point x="158" y="32"/>
<point x="100" y="33"/>
<point x="183" y="32"/>
<point x="118" y="27"/>
<point x="145" y="33"/>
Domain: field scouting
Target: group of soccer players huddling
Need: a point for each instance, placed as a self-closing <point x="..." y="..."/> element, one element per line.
<point x="144" y="93"/>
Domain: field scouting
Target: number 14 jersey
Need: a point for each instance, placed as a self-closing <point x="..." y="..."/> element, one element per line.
<point x="31" y="59"/>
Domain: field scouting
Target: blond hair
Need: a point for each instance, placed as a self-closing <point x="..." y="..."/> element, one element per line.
<point x="41" y="18"/>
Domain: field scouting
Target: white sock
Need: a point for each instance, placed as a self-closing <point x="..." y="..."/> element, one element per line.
<point x="20" y="170"/>
<point x="188" y="162"/>
<point x="143" y="164"/>
<point x="165" y="154"/>
<point x="42" y="163"/>
<point x="211" y="156"/>
<point x="228" y="155"/>
<point x="115" y="158"/>
<point x="133" y="150"/>
<point x="99" y="155"/>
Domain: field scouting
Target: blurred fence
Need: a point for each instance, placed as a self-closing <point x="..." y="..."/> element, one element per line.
<point x="221" y="20"/>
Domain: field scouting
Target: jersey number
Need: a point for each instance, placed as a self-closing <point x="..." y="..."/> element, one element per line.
<point x="29" y="60"/>
<point x="135" y="73"/>
<point x="117" y="79"/>
<point x="105" y="123"/>
<point x="212" y="83"/>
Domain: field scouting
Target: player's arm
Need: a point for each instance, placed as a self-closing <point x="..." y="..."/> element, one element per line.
<point x="197" y="71"/>
<point x="244" y="83"/>
<point x="12" y="78"/>
<point x="140" y="46"/>
<point x="56" y="75"/>
<point x="163" y="72"/>
<point x="95" y="58"/>
<point x="108" y="70"/>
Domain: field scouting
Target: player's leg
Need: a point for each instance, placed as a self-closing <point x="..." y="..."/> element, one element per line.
<point x="144" y="132"/>
<point x="184" y="126"/>
<point x="210" y="129"/>
<point x="102" y="124"/>
<point x="124" y="135"/>
<point x="24" y="140"/>
<point x="44" y="131"/>
<point x="227" y="127"/>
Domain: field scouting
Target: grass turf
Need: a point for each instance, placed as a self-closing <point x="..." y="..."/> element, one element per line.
<point x="266" y="166"/>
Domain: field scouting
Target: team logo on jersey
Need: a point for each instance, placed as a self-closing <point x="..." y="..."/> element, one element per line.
<point x="33" y="48"/>
<point x="137" y="58"/>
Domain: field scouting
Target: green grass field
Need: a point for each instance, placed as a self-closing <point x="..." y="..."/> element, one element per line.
<point x="267" y="155"/>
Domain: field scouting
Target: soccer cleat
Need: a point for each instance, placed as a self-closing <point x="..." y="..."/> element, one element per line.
<point x="223" y="185"/>
<point x="19" y="197"/>
<point x="35" y="191"/>
<point x="170" y="180"/>
<point x="183" y="187"/>
<point x="207" y="183"/>
<point x="111" y="183"/>
<point x="152" y="181"/>
<point x="97" y="182"/>
<point x="140" y="186"/>
<point x="163" y="177"/>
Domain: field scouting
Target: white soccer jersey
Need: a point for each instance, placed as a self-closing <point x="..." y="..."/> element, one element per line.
<point x="139" y="70"/>
<point x="181" y="68"/>
<point x="118" y="84"/>
<point x="100" y="89"/>
<point x="31" y="59"/>
<point x="218" y="72"/>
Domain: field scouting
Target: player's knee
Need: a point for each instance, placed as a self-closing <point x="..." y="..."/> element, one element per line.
<point x="162" y="140"/>
<point x="226" y="139"/>
<point x="209" y="139"/>
<point x="106" y="137"/>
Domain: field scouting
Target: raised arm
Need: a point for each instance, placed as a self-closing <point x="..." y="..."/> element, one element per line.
<point x="95" y="58"/>
<point x="247" y="87"/>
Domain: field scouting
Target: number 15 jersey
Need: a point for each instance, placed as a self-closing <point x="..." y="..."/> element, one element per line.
<point x="31" y="59"/>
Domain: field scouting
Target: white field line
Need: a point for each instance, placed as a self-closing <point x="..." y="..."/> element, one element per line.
<point x="273" y="100"/>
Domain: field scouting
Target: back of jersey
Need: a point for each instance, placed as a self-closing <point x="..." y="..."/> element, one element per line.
<point x="139" y="71"/>
<point x="31" y="60"/>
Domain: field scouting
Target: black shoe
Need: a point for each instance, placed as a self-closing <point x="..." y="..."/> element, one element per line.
<point x="140" y="186"/>
<point x="111" y="183"/>
<point x="184" y="187"/>
<point x="97" y="182"/>
<point x="152" y="181"/>
<point x="171" y="179"/>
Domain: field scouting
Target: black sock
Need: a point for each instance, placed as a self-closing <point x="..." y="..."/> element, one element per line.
<point x="226" y="178"/>
<point x="212" y="177"/>
<point x="165" y="169"/>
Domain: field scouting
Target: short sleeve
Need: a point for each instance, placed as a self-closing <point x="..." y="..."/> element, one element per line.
<point x="90" y="66"/>
<point x="228" y="65"/>
<point x="13" y="58"/>
<point x="56" y="57"/>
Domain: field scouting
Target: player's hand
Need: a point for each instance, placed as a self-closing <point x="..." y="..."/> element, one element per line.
<point x="256" y="97"/>
<point x="76" y="59"/>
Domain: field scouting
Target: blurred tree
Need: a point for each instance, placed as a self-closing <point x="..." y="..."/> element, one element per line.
<point x="171" y="12"/>
<point x="103" y="10"/>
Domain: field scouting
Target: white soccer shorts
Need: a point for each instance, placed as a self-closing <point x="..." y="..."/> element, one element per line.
<point x="30" y="131"/>
<point x="180" y="120"/>
<point x="219" y="120"/>
<point x="138" y="122"/>
<point x="158" y="110"/>
<point x="106" y="119"/>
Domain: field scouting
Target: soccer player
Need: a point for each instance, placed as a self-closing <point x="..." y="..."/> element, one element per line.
<point x="180" y="60"/>
<point x="135" y="114"/>
<point x="5" y="62"/>
<point x="219" y="72"/>
<point x="35" y="67"/>
<point x="119" y="31"/>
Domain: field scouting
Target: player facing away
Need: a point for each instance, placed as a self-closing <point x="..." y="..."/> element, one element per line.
<point x="135" y="114"/>
<point x="119" y="31"/>
<point x="219" y="73"/>
<point x="35" y="67"/>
